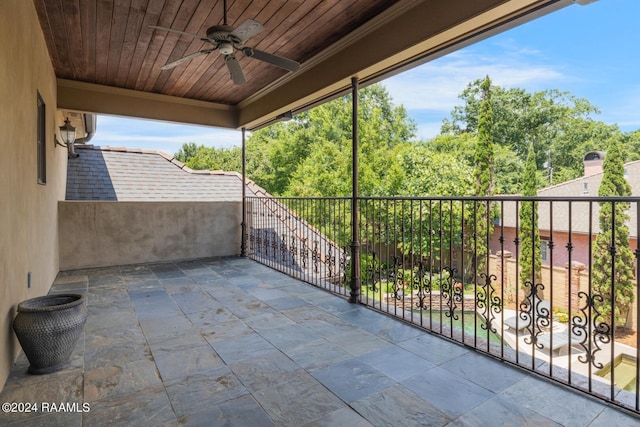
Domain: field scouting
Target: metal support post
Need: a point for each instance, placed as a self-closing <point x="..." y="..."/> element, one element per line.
<point x="243" y="239"/>
<point x="355" y="219"/>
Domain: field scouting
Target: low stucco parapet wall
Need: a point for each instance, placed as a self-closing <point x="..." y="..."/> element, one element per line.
<point x="100" y="234"/>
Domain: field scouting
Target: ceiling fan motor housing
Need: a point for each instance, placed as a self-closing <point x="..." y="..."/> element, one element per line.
<point x="220" y="33"/>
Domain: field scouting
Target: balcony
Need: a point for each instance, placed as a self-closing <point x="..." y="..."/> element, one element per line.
<point x="228" y="341"/>
<point x="217" y="339"/>
<point x="545" y="307"/>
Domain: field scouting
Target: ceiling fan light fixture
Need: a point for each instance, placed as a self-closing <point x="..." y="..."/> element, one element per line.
<point x="227" y="40"/>
<point x="225" y="48"/>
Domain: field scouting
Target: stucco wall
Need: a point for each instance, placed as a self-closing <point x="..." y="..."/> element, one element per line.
<point x="96" y="234"/>
<point x="28" y="210"/>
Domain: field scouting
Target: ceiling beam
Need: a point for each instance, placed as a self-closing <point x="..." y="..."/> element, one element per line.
<point x="409" y="32"/>
<point x="99" y="99"/>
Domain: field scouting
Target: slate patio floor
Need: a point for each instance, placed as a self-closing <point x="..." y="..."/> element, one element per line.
<point x="229" y="342"/>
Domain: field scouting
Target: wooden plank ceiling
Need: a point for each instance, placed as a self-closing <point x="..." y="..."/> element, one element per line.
<point x="109" y="61"/>
<point x="110" y="43"/>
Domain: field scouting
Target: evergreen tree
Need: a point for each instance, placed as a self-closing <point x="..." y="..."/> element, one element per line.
<point x="552" y="120"/>
<point x="530" y="259"/>
<point x="484" y="180"/>
<point x="611" y="246"/>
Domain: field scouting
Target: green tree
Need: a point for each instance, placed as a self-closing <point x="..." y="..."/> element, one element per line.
<point x="632" y="144"/>
<point x="188" y="151"/>
<point x="577" y="137"/>
<point x="460" y="148"/>
<point x="200" y="157"/>
<point x="551" y="120"/>
<point x="484" y="182"/>
<point x="611" y="251"/>
<point x="311" y="154"/>
<point x="434" y="171"/>
<point x="530" y="258"/>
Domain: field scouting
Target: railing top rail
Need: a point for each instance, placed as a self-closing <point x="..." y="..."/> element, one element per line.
<point x="299" y="198"/>
<point x="509" y="198"/>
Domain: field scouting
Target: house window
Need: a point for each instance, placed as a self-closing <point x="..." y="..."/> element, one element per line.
<point x="544" y="250"/>
<point x="41" y="142"/>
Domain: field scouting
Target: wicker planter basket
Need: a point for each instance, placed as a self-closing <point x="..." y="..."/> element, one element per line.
<point x="48" y="328"/>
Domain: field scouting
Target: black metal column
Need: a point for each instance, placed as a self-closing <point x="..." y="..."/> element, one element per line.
<point x="355" y="217"/>
<point x="243" y="239"/>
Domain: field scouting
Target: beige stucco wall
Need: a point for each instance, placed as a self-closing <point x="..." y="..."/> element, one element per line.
<point x="28" y="211"/>
<point x="96" y="234"/>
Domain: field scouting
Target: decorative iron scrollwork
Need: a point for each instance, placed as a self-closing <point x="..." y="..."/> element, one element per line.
<point x="422" y="282"/>
<point x="488" y="300"/>
<point x="284" y="250"/>
<point x="330" y="260"/>
<point x="600" y="333"/>
<point x="304" y="252"/>
<point x="451" y="292"/>
<point x="266" y="242"/>
<point x="534" y="313"/>
<point x="373" y="272"/>
<point x="293" y="249"/>
<point x="344" y="260"/>
<point x="274" y="244"/>
<point x="398" y="278"/>
<point x="315" y="256"/>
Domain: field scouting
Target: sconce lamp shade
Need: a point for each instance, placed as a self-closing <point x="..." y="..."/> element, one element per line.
<point x="286" y="116"/>
<point x="67" y="132"/>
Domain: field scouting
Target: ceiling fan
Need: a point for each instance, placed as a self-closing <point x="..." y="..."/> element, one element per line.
<point x="227" y="40"/>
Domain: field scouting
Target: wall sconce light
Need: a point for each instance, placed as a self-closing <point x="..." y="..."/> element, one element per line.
<point x="286" y="116"/>
<point x="68" y="135"/>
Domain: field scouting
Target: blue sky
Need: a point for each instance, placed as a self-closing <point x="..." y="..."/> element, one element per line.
<point x="590" y="51"/>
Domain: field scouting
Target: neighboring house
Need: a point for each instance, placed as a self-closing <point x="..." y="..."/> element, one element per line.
<point x="562" y="222"/>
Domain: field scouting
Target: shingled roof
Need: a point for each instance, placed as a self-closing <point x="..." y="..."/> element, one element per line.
<point x="121" y="174"/>
<point x="585" y="186"/>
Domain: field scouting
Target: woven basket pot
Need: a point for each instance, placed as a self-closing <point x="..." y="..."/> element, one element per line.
<point x="48" y="328"/>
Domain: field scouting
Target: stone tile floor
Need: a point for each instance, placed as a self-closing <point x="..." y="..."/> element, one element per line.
<point x="229" y="342"/>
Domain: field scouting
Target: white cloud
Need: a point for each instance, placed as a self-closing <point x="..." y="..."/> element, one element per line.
<point x="432" y="89"/>
<point x="436" y="85"/>
<point x="167" y="137"/>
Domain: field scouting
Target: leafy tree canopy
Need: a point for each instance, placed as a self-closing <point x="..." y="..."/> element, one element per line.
<point x="555" y="122"/>
<point x="311" y="154"/>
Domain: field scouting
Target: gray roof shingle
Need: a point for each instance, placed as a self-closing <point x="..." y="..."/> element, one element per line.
<point x="585" y="186"/>
<point x="120" y="174"/>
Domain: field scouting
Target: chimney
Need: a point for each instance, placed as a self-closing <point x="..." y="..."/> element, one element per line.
<point x="593" y="162"/>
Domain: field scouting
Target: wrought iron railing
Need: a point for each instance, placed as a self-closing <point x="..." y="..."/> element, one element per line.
<point x="547" y="284"/>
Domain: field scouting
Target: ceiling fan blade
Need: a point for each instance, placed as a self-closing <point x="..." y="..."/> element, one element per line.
<point x="171" y="30"/>
<point x="278" y="61"/>
<point x="173" y="64"/>
<point x="247" y="29"/>
<point x="234" y="69"/>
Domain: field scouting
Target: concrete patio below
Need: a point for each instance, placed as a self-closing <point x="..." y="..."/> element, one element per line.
<point x="230" y="342"/>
